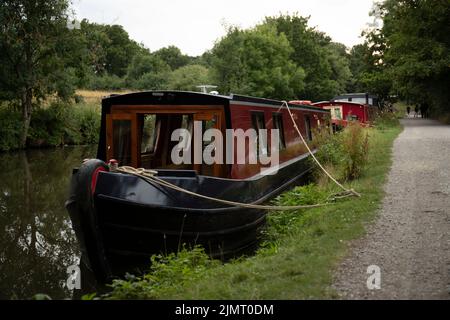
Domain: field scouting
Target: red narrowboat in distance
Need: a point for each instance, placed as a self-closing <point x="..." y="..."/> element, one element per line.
<point x="121" y="219"/>
<point x="360" y="107"/>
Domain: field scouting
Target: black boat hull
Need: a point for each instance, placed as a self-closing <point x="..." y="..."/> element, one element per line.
<point x="121" y="220"/>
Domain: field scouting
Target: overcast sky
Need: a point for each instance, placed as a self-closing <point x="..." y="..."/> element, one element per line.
<point x="194" y="25"/>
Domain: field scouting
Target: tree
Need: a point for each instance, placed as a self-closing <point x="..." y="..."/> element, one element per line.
<point x="408" y="54"/>
<point x="95" y="43"/>
<point x="173" y="57"/>
<point x="339" y="61"/>
<point x="313" y="53"/>
<point x="32" y="46"/>
<point x="147" y="71"/>
<point x="109" y="48"/>
<point x="416" y="40"/>
<point x="188" y="77"/>
<point x="359" y="64"/>
<point x="368" y="69"/>
<point x="120" y="50"/>
<point x="256" y="62"/>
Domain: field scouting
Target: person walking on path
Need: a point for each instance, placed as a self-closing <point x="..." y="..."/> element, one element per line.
<point x="424" y="110"/>
<point x="416" y="111"/>
<point x="408" y="110"/>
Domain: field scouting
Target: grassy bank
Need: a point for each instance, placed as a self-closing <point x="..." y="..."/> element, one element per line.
<point x="300" y="250"/>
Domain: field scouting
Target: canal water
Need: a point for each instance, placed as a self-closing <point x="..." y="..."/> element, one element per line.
<point x="37" y="243"/>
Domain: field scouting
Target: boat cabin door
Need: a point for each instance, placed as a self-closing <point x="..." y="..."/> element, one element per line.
<point x="209" y="120"/>
<point x="121" y="138"/>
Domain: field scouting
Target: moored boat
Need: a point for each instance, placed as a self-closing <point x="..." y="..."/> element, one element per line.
<point x="360" y="107"/>
<point x="121" y="219"/>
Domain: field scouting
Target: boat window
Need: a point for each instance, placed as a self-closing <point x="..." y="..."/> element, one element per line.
<point x="156" y="144"/>
<point x="206" y="169"/>
<point x="206" y="125"/>
<point x="187" y="124"/>
<point x="150" y="131"/>
<point x="308" y="128"/>
<point x="278" y="124"/>
<point x="337" y="113"/>
<point x="122" y="141"/>
<point x="258" y="123"/>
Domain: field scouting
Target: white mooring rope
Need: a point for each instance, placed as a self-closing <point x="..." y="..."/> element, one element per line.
<point x="149" y="175"/>
<point x="350" y="191"/>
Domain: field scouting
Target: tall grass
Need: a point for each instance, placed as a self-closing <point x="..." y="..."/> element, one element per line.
<point x="355" y="144"/>
<point x="94" y="97"/>
<point x="343" y="153"/>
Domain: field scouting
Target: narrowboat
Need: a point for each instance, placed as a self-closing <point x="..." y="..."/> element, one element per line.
<point x="361" y="107"/>
<point x="121" y="219"/>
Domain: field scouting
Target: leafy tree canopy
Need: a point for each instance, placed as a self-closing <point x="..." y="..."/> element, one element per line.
<point x="409" y="55"/>
<point x="147" y="71"/>
<point x="189" y="77"/>
<point x="325" y="64"/>
<point x="109" y="48"/>
<point x="256" y="62"/>
<point x="173" y="57"/>
<point x="34" y="42"/>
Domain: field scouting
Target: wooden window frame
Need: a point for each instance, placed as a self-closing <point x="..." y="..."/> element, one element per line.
<point x="263" y="114"/>
<point x="308" y="127"/>
<point x="281" y="135"/>
<point x="133" y="113"/>
<point x="110" y="135"/>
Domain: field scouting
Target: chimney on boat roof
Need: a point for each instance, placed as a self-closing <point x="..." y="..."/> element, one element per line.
<point x="204" y="88"/>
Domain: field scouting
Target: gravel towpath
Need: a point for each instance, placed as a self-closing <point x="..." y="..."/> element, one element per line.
<point x="410" y="239"/>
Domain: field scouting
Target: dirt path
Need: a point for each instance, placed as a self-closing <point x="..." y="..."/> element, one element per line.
<point x="410" y="240"/>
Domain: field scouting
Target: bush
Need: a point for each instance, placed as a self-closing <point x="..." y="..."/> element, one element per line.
<point x="10" y="129"/>
<point x="62" y="124"/>
<point x="151" y="81"/>
<point x="344" y="153"/>
<point x="78" y="98"/>
<point x="147" y="72"/>
<point x="330" y="150"/>
<point x="279" y="223"/>
<point x="57" y="125"/>
<point x="87" y="120"/>
<point x="48" y="126"/>
<point x="355" y="146"/>
<point x="385" y="120"/>
<point x="188" y="77"/>
<point x="167" y="273"/>
<point x="106" y="82"/>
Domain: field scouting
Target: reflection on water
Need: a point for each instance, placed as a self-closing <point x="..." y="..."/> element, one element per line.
<point x="37" y="243"/>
